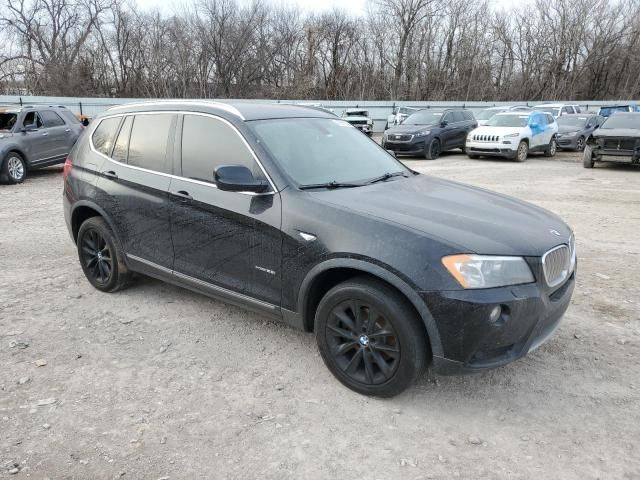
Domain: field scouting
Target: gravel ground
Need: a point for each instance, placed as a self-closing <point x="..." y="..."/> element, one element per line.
<point x="158" y="382"/>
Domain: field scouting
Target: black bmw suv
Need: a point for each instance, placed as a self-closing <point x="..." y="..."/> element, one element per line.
<point x="294" y="213"/>
<point x="430" y="132"/>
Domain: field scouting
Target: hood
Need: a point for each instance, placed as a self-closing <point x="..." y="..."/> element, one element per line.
<point x="470" y="219"/>
<point x="411" y="129"/>
<point x="617" y="132"/>
<point x="496" y="130"/>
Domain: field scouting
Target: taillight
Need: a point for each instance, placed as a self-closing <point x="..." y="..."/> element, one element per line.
<point x="67" y="168"/>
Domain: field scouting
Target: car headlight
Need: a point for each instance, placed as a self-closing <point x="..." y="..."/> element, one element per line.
<point x="484" y="271"/>
<point x="423" y="133"/>
<point x="511" y="135"/>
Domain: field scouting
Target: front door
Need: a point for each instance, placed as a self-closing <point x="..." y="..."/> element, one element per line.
<point x="228" y="240"/>
<point x="36" y="136"/>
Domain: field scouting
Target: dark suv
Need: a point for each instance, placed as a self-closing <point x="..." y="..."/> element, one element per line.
<point x="429" y="132"/>
<point x="294" y="213"/>
<point x="34" y="137"/>
<point x="617" y="140"/>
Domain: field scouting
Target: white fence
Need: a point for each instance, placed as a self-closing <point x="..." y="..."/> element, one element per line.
<point x="379" y="110"/>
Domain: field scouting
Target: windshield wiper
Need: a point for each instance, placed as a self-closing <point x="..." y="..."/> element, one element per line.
<point x="386" y="176"/>
<point x="332" y="184"/>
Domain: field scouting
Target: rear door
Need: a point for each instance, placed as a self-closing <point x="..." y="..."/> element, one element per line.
<point x="224" y="240"/>
<point x="134" y="183"/>
<point x="56" y="131"/>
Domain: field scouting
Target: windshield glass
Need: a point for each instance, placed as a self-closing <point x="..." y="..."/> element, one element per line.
<point x="508" y="121"/>
<point x="7" y="120"/>
<point x="424" y="117"/>
<point x="553" y="111"/>
<point x="622" y="121"/>
<point x="567" y="121"/>
<point x="322" y="150"/>
<point x="607" y="111"/>
<point x="487" y="114"/>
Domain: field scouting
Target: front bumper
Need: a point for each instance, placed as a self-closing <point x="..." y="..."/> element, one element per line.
<point x="471" y="342"/>
<point x="491" y="149"/>
<point x="415" y="146"/>
<point x="567" y="143"/>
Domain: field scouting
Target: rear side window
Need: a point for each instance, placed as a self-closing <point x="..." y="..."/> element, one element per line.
<point x="105" y="134"/>
<point x="208" y="143"/>
<point x="121" y="148"/>
<point x="51" y="119"/>
<point x="149" y="142"/>
<point x="549" y="118"/>
<point x="69" y="116"/>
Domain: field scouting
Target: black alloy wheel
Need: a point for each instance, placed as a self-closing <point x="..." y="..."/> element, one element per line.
<point x="433" y="150"/>
<point x="96" y="256"/>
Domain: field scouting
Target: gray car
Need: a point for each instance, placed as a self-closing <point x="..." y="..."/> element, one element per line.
<point x="574" y="129"/>
<point x="33" y="137"/>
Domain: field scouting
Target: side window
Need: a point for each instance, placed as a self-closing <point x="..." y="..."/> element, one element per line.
<point x="469" y="115"/>
<point x="549" y="119"/>
<point x="458" y="116"/>
<point x="105" y="134"/>
<point x="32" y="118"/>
<point x="121" y="148"/>
<point x="566" y="110"/>
<point x="149" y="142"/>
<point x="69" y="116"/>
<point x="208" y="143"/>
<point x="448" y="117"/>
<point x="51" y="119"/>
<point x="577" y="109"/>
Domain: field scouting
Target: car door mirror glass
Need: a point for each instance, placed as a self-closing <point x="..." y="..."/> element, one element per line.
<point x="237" y="178"/>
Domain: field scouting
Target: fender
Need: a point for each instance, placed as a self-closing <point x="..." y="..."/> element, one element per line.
<point x="387" y="276"/>
<point x="103" y="214"/>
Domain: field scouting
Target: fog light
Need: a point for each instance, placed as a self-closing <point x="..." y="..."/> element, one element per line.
<point x="495" y="314"/>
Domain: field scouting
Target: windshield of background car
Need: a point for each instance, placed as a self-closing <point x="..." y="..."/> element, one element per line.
<point x="566" y="121"/>
<point x="607" y="111"/>
<point x="622" y="121"/>
<point x="553" y="111"/>
<point x="7" y="120"/>
<point x="508" y="121"/>
<point x="322" y="150"/>
<point x="487" y="114"/>
<point x="424" y="118"/>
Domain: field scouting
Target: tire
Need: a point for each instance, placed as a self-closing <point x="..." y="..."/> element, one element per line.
<point x="587" y="157"/>
<point x="522" y="152"/>
<point x="580" y="144"/>
<point x="473" y="156"/>
<point x="101" y="256"/>
<point x="14" y="168"/>
<point x="354" y="349"/>
<point x="433" y="150"/>
<point x="551" y="149"/>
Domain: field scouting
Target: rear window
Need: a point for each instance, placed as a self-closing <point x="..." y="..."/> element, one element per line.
<point x="150" y="137"/>
<point x="105" y="134"/>
<point x="51" y="119"/>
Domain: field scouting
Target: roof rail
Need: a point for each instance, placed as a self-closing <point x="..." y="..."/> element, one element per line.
<point x="212" y="103"/>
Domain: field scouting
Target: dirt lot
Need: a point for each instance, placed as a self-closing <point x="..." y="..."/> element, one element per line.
<point x="157" y="382"/>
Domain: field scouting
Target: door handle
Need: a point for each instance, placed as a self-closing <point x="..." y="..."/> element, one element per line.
<point x="182" y="195"/>
<point x="45" y="134"/>
<point x="67" y="129"/>
<point x="110" y="174"/>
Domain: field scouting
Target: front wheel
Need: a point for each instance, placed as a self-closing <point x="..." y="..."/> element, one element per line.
<point x="523" y="151"/>
<point x="580" y="144"/>
<point x="370" y="337"/>
<point x="551" y="149"/>
<point x="14" y="168"/>
<point x="433" y="150"/>
<point x="587" y="157"/>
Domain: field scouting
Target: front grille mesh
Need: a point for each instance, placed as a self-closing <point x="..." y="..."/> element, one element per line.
<point x="400" y="138"/>
<point x="556" y="264"/>
<point x="486" y="138"/>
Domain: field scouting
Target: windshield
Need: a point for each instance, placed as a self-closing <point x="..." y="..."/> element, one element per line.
<point x="508" y="121"/>
<point x="607" y="111"/>
<point x="7" y="120"/>
<point x="553" y="111"/>
<point x="323" y="150"/>
<point x="487" y="114"/>
<point x="424" y="117"/>
<point x="622" y="121"/>
<point x="567" y="121"/>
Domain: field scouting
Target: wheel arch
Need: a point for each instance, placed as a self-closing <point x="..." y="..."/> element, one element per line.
<point x="84" y="209"/>
<point x="326" y="275"/>
<point x="14" y="149"/>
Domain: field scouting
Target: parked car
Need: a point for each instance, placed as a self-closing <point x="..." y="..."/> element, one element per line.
<point x="317" y="105"/>
<point x="429" y="132"/>
<point x="33" y="137"/>
<point x="558" y="109"/>
<point x="485" y="115"/>
<point x="398" y="116"/>
<point x="617" y="140"/>
<point x="574" y="129"/>
<point x="360" y="119"/>
<point x="611" y="109"/>
<point x="513" y="135"/>
<point x="283" y="210"/>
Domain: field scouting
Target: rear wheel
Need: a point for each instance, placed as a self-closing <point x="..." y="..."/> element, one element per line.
<point x="433" y="150"/>
<point x="14" y="168"/>
<point x="587" y="157"/>
<point x="370" y="338"/>
<point x="101" y="256"/>
<point x="523" y="151"/>
<point x="551" y="149"/>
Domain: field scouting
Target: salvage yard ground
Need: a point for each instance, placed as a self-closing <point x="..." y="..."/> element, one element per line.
<point x="158" y="382"/>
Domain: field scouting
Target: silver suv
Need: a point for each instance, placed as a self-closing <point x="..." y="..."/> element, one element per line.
<point x="33" y="137"/>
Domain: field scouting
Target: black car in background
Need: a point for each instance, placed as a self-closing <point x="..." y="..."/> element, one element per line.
<point x="617" y="140"/>
<point x="294" y="213"/>
<point x="575" y="128"/>
<point x="429" y="132"/>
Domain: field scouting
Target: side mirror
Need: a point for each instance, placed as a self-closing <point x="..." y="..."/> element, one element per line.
<point x="238" y="178"/>
<point x="444" y="123"/>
